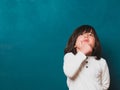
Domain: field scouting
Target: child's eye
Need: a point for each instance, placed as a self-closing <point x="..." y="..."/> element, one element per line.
<point x="81" y="34"/>
<point x="91" y="34"/>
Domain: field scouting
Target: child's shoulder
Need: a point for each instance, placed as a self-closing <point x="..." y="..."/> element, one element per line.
<point x="69" y="53"/>
<point x="102" y="61"/>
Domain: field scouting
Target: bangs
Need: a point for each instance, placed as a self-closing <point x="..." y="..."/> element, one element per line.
<point x="84" y="29"/>
<point x="87" y="30"/>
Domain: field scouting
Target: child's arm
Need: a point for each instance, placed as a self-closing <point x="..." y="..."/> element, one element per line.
<point x="105" y="76"/>
<point x="72" y="63"/>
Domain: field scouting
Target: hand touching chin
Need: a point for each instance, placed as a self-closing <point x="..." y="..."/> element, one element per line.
<point x="85" y="48"/>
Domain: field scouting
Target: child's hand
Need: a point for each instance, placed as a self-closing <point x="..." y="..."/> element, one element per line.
<point x="84" y="47"/>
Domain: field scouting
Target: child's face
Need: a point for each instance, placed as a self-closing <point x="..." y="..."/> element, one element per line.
<point x="87" y="38"/>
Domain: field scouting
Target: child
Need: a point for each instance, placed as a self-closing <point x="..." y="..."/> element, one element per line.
<point x="83" y="65"/>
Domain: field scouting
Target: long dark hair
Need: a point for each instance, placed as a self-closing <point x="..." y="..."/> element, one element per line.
<point x="72" y="40"/>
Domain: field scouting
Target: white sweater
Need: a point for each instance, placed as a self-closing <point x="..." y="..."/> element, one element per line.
<point x="86" y="73"/>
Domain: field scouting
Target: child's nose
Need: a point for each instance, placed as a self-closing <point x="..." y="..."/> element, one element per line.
<point x="86" y="35"/>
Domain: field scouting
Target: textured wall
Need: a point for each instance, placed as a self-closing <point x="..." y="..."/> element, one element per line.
<point x="33" y="35"/>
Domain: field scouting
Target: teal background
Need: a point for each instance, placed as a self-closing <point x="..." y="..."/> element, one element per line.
<point x="33" y="35"/>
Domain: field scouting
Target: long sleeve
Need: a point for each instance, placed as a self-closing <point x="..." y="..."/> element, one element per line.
<point x="72" y="63"/>
<point x="105" y="76"/>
